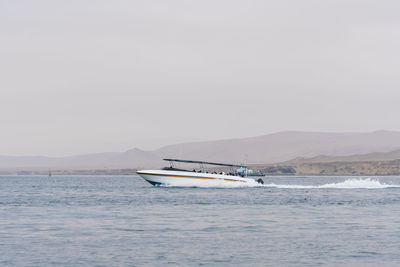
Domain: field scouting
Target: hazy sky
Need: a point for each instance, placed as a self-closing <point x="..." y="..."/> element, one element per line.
<point x="92" y="76"/>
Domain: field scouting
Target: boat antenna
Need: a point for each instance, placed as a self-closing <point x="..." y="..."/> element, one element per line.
<point x="244" y="163"/>
<point x="244" y="160"/>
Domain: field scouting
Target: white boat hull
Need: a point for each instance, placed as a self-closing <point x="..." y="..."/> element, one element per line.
<point x="193" y="179"/>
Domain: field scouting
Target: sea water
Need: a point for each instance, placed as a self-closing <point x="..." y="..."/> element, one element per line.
<point x="124" y="221"/>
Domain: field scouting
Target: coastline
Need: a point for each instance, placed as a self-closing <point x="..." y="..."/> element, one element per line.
<point x="361" y="168"/>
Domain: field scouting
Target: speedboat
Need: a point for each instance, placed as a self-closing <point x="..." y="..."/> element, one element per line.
<point x="172" y="176"/>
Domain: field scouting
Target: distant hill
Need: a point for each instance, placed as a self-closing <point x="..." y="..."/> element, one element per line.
<point x="376" y="156"/>
<point x="377" y="163"/>
<point x="134" y="158"/>
<point x="266" y="149"/>
<point x="284" y="146"/>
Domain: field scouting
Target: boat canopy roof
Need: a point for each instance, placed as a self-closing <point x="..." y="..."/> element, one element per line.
<point x="206" y="162"/>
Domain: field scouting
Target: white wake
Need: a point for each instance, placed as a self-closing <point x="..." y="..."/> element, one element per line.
<point x="347" y="184"/>
<point x="367" y="183"/>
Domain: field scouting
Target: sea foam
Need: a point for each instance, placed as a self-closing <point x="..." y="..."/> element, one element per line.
<point x="347" y="184"/>
<point x="366" y="183"/>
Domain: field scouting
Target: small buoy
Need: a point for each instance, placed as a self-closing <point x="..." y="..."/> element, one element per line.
<point x="260" y="181"/>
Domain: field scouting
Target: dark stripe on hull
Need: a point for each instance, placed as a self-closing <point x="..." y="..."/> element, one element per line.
<point x="154" y="183"/>
<point x="192" y="177"/>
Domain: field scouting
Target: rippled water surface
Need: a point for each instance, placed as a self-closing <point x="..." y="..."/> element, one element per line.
<point x="124" y="221"/>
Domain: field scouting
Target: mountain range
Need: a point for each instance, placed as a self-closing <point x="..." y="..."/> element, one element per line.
<point x="289" y="146"/>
